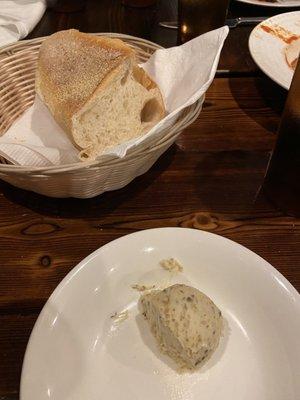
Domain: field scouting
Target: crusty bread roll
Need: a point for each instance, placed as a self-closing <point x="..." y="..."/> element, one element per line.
<point x="96" y="91"/>
<point x="185" y="322"/>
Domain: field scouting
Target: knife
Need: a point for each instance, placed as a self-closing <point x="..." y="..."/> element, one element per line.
<point x="232" y="22"/>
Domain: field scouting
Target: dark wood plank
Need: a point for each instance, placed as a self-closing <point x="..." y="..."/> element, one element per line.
<point x="238" y="114"/>
<point x="14" y="333"/>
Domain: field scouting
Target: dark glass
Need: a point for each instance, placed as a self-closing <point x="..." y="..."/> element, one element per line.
<point x="282" y="181"/>
<point x="67" y="6"/>
<point x="138" y="3"/>
<point x="200" y="16"/>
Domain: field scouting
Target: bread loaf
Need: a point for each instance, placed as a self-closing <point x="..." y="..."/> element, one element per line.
<point x="96" y="91"/>
<point x="185" y="322"/>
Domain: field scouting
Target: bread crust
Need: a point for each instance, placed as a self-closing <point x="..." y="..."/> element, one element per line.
<point x="74" y="67"/>
<point x="71" y="66"/>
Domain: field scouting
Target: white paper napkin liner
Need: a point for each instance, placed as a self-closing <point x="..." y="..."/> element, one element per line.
<point x="18" y="18"/>
<point x="174" y="101"/>
<point x="36" y="136"/>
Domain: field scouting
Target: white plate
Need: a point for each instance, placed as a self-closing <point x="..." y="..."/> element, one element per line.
<point x="268" y="50"/>
<point x="284" y="3"/>
<point x="77" y="351"/>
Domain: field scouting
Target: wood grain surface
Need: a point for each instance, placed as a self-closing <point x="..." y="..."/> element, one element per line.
<point x="210" y="179"/>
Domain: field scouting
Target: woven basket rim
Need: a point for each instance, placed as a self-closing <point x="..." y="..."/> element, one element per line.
<point x="93" y="163"/>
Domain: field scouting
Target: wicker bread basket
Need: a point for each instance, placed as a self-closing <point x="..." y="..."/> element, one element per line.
<point x="83" y="179"/>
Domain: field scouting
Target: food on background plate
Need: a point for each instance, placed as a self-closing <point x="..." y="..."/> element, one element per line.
<point x="95" y="90"/>
<point x="292" y="53"/>
<point x="279" y="32"/>
<point x="185" y="322"/>
<point x="292" y="40"/>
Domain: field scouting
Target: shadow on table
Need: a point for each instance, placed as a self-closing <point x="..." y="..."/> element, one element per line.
<point x="229" y="182"/>
<point x="84" y="208"/>
<point x="257" y="98"/>
<point x="239" y="9"/>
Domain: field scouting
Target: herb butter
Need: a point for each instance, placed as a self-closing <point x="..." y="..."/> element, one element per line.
<point x="186" y="323"/>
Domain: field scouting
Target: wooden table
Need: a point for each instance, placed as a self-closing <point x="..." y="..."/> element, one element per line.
<point x="209" y="180"/>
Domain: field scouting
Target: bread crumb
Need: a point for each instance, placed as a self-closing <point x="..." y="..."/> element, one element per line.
<point x="142" y="288"/>
<point x="171" y="265"/>
<point x="120" y="317"/>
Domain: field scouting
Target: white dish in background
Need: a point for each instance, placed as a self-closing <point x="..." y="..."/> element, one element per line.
<point x="77" y="351"/>
<point x="279" y="3"/>
<point x="268" y="50"/>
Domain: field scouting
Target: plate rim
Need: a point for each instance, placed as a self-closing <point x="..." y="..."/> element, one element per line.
<point x="251" y="44"/>
<point x="267" y="267"/>
<point x="267" y="4"/>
